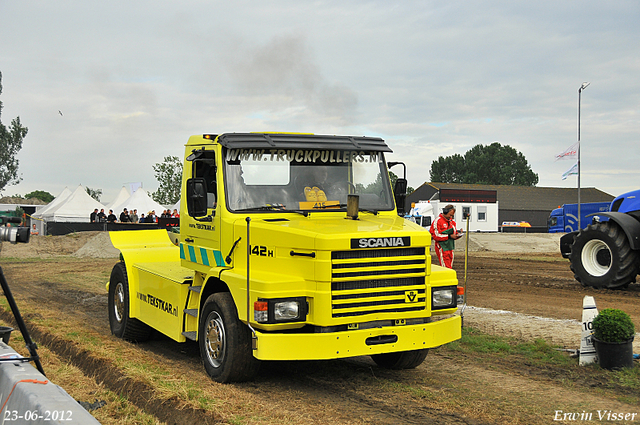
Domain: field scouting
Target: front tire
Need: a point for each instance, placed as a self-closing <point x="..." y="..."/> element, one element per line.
<point x="121" y="324"/>
<point x="601" y="257"/>
<point x="401" y="360"/>
<point x="225" y="342"/>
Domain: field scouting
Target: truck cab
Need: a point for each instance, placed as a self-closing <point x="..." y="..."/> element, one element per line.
<point x="555" y="222"/>
<point x="290" y="248"/>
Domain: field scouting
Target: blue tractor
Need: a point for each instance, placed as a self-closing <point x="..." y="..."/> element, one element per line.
<point x="607" y="253"/>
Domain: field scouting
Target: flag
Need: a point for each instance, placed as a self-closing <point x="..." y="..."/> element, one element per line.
<point x="573" y="171"/>
<point x="134" y="186"/>
<point x="570" y="153"/>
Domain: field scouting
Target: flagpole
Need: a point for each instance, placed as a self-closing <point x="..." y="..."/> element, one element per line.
<point x="582" y="87"/>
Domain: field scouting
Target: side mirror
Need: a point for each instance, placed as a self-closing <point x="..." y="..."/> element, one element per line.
<point x="196" y="197"/>
<point x="400" y="193"/>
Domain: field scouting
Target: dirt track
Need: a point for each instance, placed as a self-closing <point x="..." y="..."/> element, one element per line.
<point x="449" y="388"/>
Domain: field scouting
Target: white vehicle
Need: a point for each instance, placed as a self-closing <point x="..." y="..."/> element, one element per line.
<point x="423" y="213"/>
<point x="483" y="216"/>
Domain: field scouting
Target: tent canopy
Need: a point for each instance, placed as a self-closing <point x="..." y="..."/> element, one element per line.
<point x="74" y="208"/>
<point x="140" y="201"/>
<point x="56" y="201"/>
<point x="123" y="195"/>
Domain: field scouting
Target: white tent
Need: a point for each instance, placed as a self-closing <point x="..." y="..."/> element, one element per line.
<point x="56" y="201"/>
<point x="140" y="201"/>
<point x="75" y="208"/>
<point x="123" y="195"/>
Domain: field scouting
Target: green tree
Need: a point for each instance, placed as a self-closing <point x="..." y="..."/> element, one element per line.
<point x="10" y="144"/>
<point x="491" y="164"/>
<point x="169" y="176"/>
<point x="448" y="170"/>
<point x="40" y="194"/>
<point x="376" y="186"/>
<point x="393" y="177"/>
<point x="94" y="193"/>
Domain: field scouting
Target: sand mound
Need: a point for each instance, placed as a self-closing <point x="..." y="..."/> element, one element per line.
<point x="99" y="246"/>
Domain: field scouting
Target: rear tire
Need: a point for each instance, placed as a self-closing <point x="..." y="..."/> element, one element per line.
<point x="225" y="342"/>
<point x="401" y="360"/>
<point x="601" y="257"/>
<point x="121" y="324"/>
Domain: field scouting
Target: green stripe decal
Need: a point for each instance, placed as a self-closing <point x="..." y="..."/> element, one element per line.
<point x="205" y="258"/>
<point x="219" y="260"/>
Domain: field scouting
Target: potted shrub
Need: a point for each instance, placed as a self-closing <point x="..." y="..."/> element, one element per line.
<point x="613" y="334"/>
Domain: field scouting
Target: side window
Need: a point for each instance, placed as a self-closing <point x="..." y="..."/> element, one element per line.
<point x="205" y="168"/>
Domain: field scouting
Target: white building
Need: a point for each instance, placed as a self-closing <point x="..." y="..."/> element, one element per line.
<point x="481" y="208"/>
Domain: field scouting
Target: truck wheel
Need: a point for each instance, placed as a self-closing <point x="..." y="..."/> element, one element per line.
<point x="401" y="360"/>
<point x="602" y="258"/>
<point x="225" y="342"/>
<point x="121" y="324"/>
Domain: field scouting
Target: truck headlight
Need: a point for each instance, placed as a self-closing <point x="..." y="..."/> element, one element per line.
<point x="444" y="297"/>
<point x="280" y="310"/>
<point x="286" y="310"/>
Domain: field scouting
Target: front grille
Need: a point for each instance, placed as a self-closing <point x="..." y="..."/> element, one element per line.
<point x="375" y="281"/>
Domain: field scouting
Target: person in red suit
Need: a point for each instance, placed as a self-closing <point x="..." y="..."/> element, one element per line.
<point x="444" y="233"/>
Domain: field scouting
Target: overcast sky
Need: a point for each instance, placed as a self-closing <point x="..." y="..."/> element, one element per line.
<point x="134" y="80"/>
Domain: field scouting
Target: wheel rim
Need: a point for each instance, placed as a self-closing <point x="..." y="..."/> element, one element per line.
<point x="596" y="258"/>
<point x="118" y="302"/>
<point x="214" y="339"/>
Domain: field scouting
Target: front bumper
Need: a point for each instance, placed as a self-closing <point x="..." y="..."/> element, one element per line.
<point x="324" y="346"/>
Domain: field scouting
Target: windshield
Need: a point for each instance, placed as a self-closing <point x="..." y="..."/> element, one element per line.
<point x="303" y="179"/>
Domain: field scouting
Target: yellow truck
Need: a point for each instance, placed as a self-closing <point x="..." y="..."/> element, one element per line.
<point x="290" y="248"/>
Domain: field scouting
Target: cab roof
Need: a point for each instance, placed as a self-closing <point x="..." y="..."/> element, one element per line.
<point x="299" y="141"/>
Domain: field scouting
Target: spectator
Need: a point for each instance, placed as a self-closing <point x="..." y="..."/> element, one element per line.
<point x="124" y="216"/>
<point x="142" y="219"/>
<point x="444" y="233"/>
<point x="175" y="214"/>
<point x="112" y="217"/>
<point x="34" y="231"/>
<point x="102" y="217"/>
<point x="93" y="217"/>
<point x="133" y="217"/>
<point x="151" y="217"/>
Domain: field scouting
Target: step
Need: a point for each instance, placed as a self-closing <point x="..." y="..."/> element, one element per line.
<point x="195" y="288"/>
<point x="190" y="335"/>
<point x="191" y="311"/>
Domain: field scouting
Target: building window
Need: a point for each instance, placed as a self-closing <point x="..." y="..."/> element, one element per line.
<point x="482" y="213"/>
<point x="466" y="212"/>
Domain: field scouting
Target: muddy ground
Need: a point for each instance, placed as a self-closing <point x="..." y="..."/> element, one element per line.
<point x="517" y="286"/>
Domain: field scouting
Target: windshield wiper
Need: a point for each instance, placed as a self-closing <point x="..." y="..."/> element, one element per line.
<point x="374" y="212"/>
<point x="322" y="207"/>
<point x="277" y="207"/>
<point x="262" y="208"/>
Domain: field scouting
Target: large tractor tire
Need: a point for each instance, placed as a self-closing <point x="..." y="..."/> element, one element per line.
<point x="602" y="258"/>
<point x="225" y="342"/>
<point x="401" y="360"/>
<point x="121" y="324"/>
